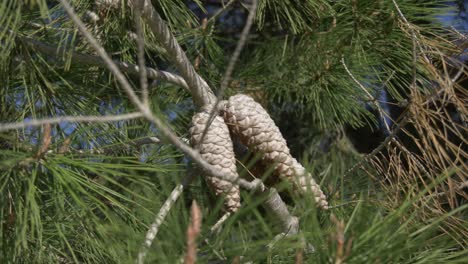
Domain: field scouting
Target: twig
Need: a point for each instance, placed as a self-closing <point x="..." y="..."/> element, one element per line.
<point x="383" y="116"/>
<point x="163" y="211"/>
<point x="87" y="59"/>
<point x="275" y="240"/>
<point x="141" y="51"/>
<point x="145" y="141"/>
<point x="135" y="143"/>
<point x="463" y="37"/>
<point x="413" y="31"/>
<point x="384" y="143"/>
<point x="221" y="10"/>
<point x="65" y="147"/>
<point x="231" y="65"/>
<point x="57" y="120"/>
<point x="192" y="233"/>
<point x="220" y="222"/>
<point x="239" y="47"/>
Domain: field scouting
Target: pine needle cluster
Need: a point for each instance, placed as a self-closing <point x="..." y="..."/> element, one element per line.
<point x="87" y="192"/>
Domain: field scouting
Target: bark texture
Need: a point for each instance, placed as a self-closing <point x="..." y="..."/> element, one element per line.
<point x="253" y="125"/>
<point x="216" y="148"/>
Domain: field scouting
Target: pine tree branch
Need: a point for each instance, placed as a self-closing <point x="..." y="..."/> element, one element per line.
<point x="141" y="51"/>
<point x="57" y="120"/>
<point x="383" y="115"/>
<point x="414" y="33"/>
<point x="159" y="219"/>
<point x="115" y="147"/>
<point x="201" y="92"/>
<point x="92" y="60"/>
<point x="240" y="45"/>
<point x="202" y="96"/>
<point x="146" y="111"/>
<point x="278" y="209"/>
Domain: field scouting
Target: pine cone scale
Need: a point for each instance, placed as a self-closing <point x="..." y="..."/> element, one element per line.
<point x="253" y="125"/>
<point x="217" y="150"/>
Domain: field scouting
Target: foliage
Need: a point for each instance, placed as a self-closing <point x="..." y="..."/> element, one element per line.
<point x="89" y="195"/>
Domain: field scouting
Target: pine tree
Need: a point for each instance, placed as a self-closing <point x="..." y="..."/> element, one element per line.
<point x="96" y="164"/>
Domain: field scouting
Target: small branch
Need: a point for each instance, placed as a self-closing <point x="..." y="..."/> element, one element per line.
<point x="145" y="141"/>
<point x="383" y="116"/>
<point x="135" y="143"/>
<point x="57" y="120"/>
<point x="369" y="95"/>
<point x="221" y="10"/>
<point x="463" y="37"/>
<point x="414" y="33"/>
<point x="192" y="233"/>
<point x="163" y="211"/>
<point x="377" y="150"/>
<point x="65" y="147"/>
<point x="92" y="60"/>
<point x="220" y="222"/>
<point x="239" y="47"/>
<point x="141" y="51"/>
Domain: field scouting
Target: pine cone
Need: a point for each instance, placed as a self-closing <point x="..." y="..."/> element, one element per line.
<point x="253" y="125"/>
<point x="217" y="150"/>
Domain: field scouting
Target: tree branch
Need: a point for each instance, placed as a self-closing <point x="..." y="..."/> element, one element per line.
<point x="87" y="59"/>
<point x="57" y="120"/>
<point x="165" y="208"/>
<point x="141" y="51"/>
<point x="202" y="95"/>
<point x="201" y="92"/>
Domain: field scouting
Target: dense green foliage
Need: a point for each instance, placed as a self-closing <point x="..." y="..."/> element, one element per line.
<point x="91" y="197"/>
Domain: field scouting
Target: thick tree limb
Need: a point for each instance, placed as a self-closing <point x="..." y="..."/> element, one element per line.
<point x="277" y="208"/>
<point x="201" y="92"/>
